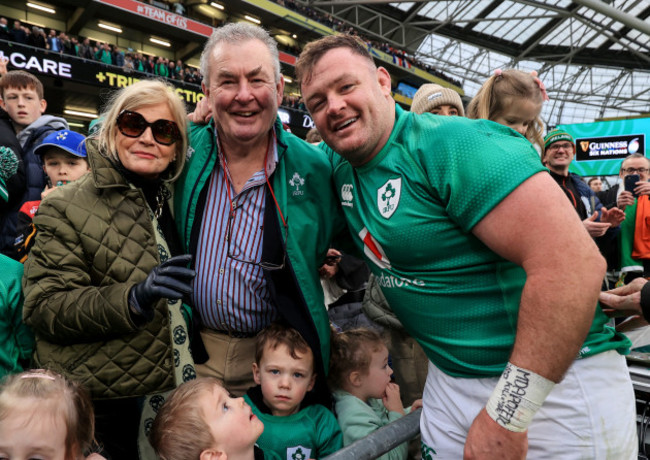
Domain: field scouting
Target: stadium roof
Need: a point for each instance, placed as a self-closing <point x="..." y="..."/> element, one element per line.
<point x="592" y="55"/>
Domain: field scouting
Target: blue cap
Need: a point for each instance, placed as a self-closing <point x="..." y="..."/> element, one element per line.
<point x="69" y="141"/>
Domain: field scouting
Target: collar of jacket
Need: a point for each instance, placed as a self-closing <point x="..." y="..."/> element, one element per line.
<point x="102" y="169"/>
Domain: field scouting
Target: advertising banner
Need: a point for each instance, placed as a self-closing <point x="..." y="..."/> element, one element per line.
<point x="42" y="62"/>
<point x="602" y="145"/>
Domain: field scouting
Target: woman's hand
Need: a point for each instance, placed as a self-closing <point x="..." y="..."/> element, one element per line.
<point x="170" y="280"/>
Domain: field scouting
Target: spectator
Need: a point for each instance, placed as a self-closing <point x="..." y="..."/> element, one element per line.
<point x="138" y="64"/>
<point x="512" y="98"/>
<point x="173" y="70"/>
<point x="4" y="29"/>
<point x="63" y="154"/>
<point x="86" y="50"/>
<point x="366" y="399"/>
<point x="284" y="374"/>
<point x="595" y="184"/>
<point x="18" y="33"/>
<point x="74" y="49"/>
<point x="103" y="54"/>
<point x="118" y="56"/>
<point x="626" y="256"/>
<point x="22" y="99"/>
<point x="437" y="100"/>
<point x="161" y="69"/>
<point x="53" y="42"/>
<point x="248" y="273"/>
<point x="102" y="293"/>
<point x="559" y="150"/>
<point x="46" y="415"/>
<point x="67" y="44"/>
<point x="149" y="64"/>
<point x="201" y="420"/>
<point x="128" y="63"/>
<point x="38" y="38"/>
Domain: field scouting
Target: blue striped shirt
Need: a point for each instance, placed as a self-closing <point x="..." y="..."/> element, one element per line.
<point x="232" y="295"/>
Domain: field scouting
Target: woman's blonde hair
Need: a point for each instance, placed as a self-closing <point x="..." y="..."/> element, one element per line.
<point x="141" y="94"/>
<point x="52" y="394"/>
<point x="499" y="90"/>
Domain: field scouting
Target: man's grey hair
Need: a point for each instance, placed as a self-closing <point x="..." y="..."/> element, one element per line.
<point x="238" y="32"/>
<point x="635" y="155"/>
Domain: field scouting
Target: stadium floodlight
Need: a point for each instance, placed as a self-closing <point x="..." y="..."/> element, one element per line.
<point x="217" y="5"/>
<point x="109" y="27"/>
<point x="252" y="19"/>
<point x="160" y="42"/>
<point x="80" y="113"/>
<point x="47" y="9"/>
<point x="287" y="79"/>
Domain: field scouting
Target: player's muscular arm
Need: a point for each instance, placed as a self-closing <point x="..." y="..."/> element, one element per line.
<point x="536" y="228"/>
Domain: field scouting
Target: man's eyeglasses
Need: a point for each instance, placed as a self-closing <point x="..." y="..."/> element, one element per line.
<point x="132" y="124"/>
<point x="636" y="170"/>
<point x="558" y="146"/>
<point x="261" y="264"/>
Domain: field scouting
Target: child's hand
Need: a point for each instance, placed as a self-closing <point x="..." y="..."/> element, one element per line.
<point x="47" y="191"/>
<point x="392" y="399"/>
<point x="416" y="404"/>
<point x="3" y="65"/>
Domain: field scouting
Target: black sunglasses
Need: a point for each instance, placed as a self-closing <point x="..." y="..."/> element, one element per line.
<point x="132" y="124"/>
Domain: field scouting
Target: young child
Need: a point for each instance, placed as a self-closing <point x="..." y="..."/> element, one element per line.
<point x="64" y="160"/>
<point x="365" y="398"/>
<point x="43" y="415"/>
<point x="200" y="421"/>
<point x="512" y="98"/>
<point x="284" y="373"/>
<point x="22" y="97"/>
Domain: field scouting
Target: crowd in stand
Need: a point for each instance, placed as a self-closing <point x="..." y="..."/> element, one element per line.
<point x="106" y="53"/>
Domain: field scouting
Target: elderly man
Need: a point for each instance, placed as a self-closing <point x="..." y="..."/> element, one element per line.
<point x="255" y="206"/>
<point x="485" y="263"/>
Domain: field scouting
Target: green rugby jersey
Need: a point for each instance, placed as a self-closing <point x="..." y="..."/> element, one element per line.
<point x="411" y="211"/>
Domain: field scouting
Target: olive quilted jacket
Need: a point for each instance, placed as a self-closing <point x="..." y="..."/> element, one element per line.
<point x="95" y="240"/>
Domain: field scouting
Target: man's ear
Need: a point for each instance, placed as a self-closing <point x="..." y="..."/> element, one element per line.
<point x="2" y="104"/>
<point x="43" y="106"/>
<point x="256" y="374"/>
<point x="212" y="454"/>
<point x="383" y="77"/>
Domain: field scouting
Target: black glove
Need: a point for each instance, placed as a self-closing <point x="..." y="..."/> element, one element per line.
<point x="171" y="280"/>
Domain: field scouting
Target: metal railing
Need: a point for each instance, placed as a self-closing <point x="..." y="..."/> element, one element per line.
<point x="381" y="441"/>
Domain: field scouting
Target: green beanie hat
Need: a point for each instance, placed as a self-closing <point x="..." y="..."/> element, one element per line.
<point x="555" y="136"/>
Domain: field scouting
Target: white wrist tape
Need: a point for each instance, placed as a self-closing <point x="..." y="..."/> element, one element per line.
<point x="517" y="397"/>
